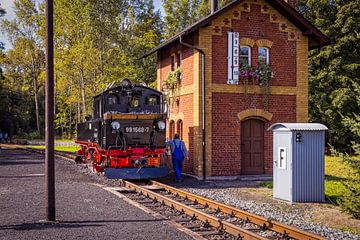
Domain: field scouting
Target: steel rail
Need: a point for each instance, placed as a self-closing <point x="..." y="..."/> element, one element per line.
<point x="258" y="220"/>
<point x="211" y="220"/>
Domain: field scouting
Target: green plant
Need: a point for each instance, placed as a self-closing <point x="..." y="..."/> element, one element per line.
<point x="264" y="76"/>
<point x="173" y="82"/>
<point x="266" y="185"/>
<point x="350" y="200"/>
<point x="260" y="75"/>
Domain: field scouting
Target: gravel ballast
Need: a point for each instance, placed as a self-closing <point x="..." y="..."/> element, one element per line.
<point x="231" y="193"/>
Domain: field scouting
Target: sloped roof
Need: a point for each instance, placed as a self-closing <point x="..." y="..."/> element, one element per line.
<point x="280" y="5"/>
<point x="300" y="126"/>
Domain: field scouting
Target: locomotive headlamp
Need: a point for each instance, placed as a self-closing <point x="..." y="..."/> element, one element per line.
<point x="161" y="125"/>
<point x="115" y="125"/>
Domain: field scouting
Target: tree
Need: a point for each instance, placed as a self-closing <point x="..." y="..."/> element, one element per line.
<point x="2" y="13"/>
<point x="27" y="54"/>
<point x="181" y="14"/>
<point x="334" y="71"/>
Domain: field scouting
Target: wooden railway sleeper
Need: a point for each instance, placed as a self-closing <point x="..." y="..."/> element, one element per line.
<point x="220" y="229"/>
<point x="240" y="237"/>
<point x="285" y="235"/>
<point x="206" y="224"/>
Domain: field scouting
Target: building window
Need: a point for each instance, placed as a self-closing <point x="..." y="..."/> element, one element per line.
<point x="175" y="61"/>
<point x="171" y="129"/>
<point x="178" y="60"/>
<point x="245" y="56"/>
<point x="172" y="62"/>
<point x="179" y="128"/>
<point x="263" y="54"/>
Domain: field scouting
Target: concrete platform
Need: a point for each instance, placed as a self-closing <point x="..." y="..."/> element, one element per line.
<point x="85" y="209"/>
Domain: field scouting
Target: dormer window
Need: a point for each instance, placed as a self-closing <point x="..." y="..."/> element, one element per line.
<point x="245" y="55"/>
<point x="263" y="55"/>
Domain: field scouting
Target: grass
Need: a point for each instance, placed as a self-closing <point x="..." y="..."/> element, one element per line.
<point x="70" y="149"/>
<point x="266" y="185"/>
<point x="336" y="171"/>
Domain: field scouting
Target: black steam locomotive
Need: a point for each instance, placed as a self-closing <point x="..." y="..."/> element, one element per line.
<point x="125" y="138"/>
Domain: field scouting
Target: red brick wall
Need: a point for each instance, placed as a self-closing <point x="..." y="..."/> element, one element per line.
<point x="185" y="103"/>
<point x="256" y="25"/>
<point x="226" y="129"/>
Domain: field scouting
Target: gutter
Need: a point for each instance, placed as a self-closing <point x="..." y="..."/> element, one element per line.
<point x="202" y="100"/>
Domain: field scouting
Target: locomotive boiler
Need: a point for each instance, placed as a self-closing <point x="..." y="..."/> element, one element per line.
<point x="125" y="137"/>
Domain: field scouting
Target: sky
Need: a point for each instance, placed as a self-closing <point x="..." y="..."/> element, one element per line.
<point x="8" y="5"/>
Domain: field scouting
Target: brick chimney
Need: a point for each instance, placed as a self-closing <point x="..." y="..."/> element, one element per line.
<point x="214" y="6"/>
<point x="292" y="3"/>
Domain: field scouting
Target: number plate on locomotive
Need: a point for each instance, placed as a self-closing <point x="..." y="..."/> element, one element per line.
<point x="137" y="129"/>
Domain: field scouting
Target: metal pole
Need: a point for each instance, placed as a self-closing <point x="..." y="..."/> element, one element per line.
<point x="49" y="115"/>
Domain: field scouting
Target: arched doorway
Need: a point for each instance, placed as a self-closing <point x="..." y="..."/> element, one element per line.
<point x="252" y="146"/>
<point x="171" y="129"/>
<point x="179" y="128"/>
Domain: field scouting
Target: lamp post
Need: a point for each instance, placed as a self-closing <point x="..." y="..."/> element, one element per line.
<point x="49" y="115"/>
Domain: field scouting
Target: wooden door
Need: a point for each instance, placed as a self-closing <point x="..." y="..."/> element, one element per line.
<point x="252" y="147"/>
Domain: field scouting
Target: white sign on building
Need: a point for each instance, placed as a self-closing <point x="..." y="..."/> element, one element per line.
<point x="233" y="58"/>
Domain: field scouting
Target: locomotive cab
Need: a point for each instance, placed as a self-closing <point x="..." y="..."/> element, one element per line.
<point x="125" y="138"/>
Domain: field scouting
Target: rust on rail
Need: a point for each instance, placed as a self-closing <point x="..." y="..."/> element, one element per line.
<point x="211" y="220"/>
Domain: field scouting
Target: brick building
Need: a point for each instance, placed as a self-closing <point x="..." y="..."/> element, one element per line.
<point x="221" y="118"/>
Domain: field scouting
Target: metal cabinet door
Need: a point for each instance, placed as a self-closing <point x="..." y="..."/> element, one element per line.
<point x="282" y="166"/>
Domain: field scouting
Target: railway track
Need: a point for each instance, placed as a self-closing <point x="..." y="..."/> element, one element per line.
<point x="210" y="219"/>
<point x="217" y="220"/>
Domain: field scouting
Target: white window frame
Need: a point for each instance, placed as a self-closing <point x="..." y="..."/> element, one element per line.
<point x="249" y="57"/>
<point x="267" y="61"/>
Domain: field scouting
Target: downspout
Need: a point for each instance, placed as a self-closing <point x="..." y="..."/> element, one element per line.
<point x="202" y="100"/>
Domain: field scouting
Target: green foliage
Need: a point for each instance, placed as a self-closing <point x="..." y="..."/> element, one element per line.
<point x="174" y="78"/>
<point x="2" y="13"/>
<point x="181" y="14"/>
<point x="173" y="82"/>
<point x="260" y="75"/>
<point x="335" y="70"/>
<point x="96" y="42"/>
<point x="350" y="200"/>
<point x="25" y="62"/>
<point x="266" y="185"/>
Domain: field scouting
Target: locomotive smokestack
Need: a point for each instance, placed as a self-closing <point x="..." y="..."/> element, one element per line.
<point x="214" y="6"/>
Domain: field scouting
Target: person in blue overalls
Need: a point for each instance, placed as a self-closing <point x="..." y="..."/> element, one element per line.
<point x="178" y="153"/>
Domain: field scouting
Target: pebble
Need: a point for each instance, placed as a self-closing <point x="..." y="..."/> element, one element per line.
<point x="294" y="218"/>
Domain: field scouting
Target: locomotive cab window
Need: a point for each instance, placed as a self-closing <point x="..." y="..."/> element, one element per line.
<point x="135" y="102"/>
<point x="152" y="101"/>
<point x="112" y="99"/>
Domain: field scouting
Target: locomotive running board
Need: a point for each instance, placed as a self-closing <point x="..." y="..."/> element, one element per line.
<point x="136" y="173"/>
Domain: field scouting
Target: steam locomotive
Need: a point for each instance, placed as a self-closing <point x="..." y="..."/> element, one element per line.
<point x="125" y="138"/>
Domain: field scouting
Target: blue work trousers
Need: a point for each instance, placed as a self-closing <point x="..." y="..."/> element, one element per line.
<point x="177" y="165"/>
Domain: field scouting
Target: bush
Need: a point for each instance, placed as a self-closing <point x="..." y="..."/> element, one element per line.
<point x="350" y="200"/>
